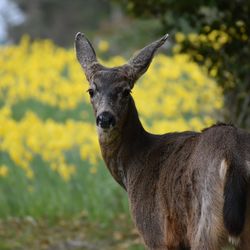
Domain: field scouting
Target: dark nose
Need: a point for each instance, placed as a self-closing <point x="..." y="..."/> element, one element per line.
<point x="105" y="120"/>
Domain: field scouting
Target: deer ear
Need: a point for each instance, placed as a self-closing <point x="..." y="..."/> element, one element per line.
<point x="86" y="56"/>
<point x="139" y="63"/>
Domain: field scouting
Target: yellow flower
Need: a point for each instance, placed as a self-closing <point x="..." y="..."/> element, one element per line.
<point x="66" y="171"/>
<point x="93" y="170"/>
<point x="175" y="86"/>
<point x="177" y="48"/>
<point x="4" y="170"/>
<point x="30" y="173"/>
<point x="179" y="37"/>
<point x="103" y="46"/>
<point x="213" y="72"/>
<point x="193" y="37"/>
<point x="207" y="28"/>
<point x="212" y="36"/>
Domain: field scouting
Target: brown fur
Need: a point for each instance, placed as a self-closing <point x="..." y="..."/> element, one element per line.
<point x="175" y="182"/>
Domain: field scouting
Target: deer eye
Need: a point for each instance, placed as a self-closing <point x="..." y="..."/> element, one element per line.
<point x="91" y="92"/>
<point x="126" y="92"/>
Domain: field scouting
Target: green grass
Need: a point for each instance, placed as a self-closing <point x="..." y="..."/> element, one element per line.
<point x="94" y="199"/>
<point x="48" y="195"/>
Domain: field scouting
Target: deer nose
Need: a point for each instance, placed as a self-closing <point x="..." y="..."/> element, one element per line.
<point x="105" y="120"/>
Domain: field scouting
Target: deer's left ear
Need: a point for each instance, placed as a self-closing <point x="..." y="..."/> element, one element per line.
<point x="139" y="63"/>
<point x="86" y="56"/>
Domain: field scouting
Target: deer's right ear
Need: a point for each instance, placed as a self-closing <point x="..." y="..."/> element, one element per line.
<point x="86" y="56"/>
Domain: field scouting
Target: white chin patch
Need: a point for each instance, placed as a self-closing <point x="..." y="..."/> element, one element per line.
<point x="106" y="134"/>
<point x="104" y="130"/>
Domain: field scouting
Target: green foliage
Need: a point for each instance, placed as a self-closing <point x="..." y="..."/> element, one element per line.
<point x="231" y="61"/>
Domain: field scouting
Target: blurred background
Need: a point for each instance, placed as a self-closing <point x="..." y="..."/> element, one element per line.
<point x="55" y="191"/>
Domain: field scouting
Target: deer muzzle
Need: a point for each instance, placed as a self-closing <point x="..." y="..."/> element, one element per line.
<point x="105" y="120"/>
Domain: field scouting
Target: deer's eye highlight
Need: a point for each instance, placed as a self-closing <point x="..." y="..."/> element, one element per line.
<point x="91" y="92"/>
<point x="126" y="92"/>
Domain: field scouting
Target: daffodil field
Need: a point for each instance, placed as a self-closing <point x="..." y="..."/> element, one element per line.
<point x="50" y="162"/>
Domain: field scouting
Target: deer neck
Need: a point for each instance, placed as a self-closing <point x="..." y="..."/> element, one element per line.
<point x="122" y="146"/>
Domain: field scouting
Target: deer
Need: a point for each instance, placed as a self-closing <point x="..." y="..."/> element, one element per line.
<point x="186" y="190"/>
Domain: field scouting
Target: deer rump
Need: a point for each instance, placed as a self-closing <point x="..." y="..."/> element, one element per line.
<point x="186" y="190"/>
<point x="195" y="195"/>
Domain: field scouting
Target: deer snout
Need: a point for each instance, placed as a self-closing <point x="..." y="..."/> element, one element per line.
<point x="105" y="120"/>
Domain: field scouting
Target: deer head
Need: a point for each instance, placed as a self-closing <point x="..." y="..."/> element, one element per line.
<point x="110" y="88"/>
